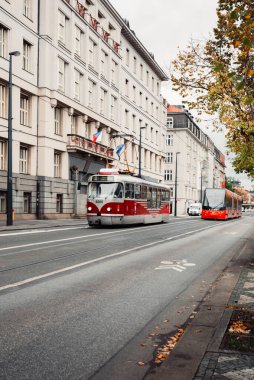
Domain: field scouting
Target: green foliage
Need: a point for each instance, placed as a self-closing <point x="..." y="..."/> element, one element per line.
<point x="219" y="77"/>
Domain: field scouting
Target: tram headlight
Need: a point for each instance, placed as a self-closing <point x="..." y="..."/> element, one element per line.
<point x="89" y="208"/>
<point x="109" y="209"/>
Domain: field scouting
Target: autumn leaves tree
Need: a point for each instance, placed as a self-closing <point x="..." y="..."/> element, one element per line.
<point x="217" y="77"/>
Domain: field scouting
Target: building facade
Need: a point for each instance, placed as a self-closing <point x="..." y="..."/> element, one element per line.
<point x="81" y="72"/>
<point x="192" y="155"/>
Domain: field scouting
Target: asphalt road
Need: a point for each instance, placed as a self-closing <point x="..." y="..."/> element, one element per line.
<point x="81" y="303"/>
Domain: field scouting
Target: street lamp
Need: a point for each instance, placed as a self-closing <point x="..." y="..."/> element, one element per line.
<point x="175" y="211"/>
<point x="202" y="167"/>
<point x="201" y="185"/>
<point x="9" y="221"/>
<point x="139" y="158"/>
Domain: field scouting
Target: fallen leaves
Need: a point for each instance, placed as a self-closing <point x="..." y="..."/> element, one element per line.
<point x="235" y="307"/>
<point x="164" y="351"/>
<point x="239" y="327"/>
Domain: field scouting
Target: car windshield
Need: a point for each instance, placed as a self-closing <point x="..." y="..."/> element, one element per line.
<point x="105" y="190"/>
<point x="214" y="199"/>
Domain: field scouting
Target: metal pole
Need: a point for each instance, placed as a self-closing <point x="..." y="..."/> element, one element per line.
<point x="9" y="220"/>
<point x="201" y="185"/>
<point x="175" y="211"/>
<point x="139" y="154"/>
<point x="9" y="172"/>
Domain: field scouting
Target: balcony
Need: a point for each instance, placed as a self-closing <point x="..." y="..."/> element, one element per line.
<point x="94" y="23"/>
<point x="79" y="143"/>
<point x="105" y="35"/>
<point x="116" y="46"/>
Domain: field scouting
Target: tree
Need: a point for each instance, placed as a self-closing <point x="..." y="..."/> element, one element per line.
<point x="231" y="183"/>
<point x="218" y="75"/>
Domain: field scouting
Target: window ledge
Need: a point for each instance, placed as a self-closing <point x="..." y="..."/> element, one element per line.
<point x="79" y="59"/>
<point x="63" y="46"/>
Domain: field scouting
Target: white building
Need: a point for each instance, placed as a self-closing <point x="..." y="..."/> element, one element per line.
<point x="81" y="70"/>
<point x="193" y="155"/>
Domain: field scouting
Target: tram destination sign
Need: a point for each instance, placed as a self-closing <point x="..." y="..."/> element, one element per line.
<point x="103" y="178"/>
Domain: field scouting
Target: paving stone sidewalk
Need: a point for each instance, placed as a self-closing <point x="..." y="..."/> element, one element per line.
<point x="234" y="359"/>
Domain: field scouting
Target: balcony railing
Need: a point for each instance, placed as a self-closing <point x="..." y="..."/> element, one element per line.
<point x="105" y="35"/>
<point x="116" y="46"/>
<point x="94" y="23"/>
<point x="86" y="145"/>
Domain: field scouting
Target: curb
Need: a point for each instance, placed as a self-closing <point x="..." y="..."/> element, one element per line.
<point x="39" y="226"/>
<point x="204" y="334"/>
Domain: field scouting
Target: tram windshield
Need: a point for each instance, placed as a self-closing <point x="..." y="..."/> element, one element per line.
<point x="105" y="190"/>
<point x="214" y="199"/>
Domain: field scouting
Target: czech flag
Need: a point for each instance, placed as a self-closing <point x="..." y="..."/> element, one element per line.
<point x="120" y="149"/>
<point x="97" y="136"/>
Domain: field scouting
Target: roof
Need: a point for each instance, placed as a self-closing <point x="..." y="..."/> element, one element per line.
<point x="175" y="109"/>
<point x="135" y="42"/>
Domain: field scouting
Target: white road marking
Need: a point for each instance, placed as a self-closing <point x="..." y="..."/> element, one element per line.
<point x="79" y="237"/>
<point x="66" y="269"/>
<point x="178" y="265"/>
<point x="40" y="231"/>
<point x="37" y="231"/>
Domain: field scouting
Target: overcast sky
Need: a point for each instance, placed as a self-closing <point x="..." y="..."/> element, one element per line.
<point x="165" y="26"/>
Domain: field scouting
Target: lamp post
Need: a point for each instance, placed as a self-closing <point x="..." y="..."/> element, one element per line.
<point x="201" y="185"/>
<point x="175" y="211"/>
<point x="202" y="167"/>
<point x="139" y="154"/>
<point x="9" y="221"/>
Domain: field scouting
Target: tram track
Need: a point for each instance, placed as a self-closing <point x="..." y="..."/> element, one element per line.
<point x="112" y="247"/>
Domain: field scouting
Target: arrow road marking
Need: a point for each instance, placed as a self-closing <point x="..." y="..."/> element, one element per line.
<point x="177" y="265"/>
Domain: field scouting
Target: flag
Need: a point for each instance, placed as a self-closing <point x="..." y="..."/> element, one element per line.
<point x="97" y="136"/>
<point x="120" y="149"/>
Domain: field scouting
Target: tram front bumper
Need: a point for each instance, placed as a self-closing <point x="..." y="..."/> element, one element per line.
<point x="104" y="220"/>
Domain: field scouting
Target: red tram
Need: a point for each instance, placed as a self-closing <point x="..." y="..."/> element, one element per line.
<point x="121" y="199"/>
<point x="221" y="204"/>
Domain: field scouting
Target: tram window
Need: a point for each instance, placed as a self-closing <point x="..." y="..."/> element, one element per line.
<point x="214" y="199"/>
<point x="118" y="191"/>
<point x="129" y="190"/>
<point x="154" y="198"/>
<point x="105" y="190"/>
<point x="159" y="198"/>
<point x="92" y="190"/>
<point x="149" y="197"/>
<point x="143" y="192"/>
<point x="137" y="191"/>
<point x="165" y="195"/>
<point x="228" y="201"/>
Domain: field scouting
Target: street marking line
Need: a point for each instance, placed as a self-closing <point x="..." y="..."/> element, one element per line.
<point x="81" y="237"/>
<point x="42" y="230"/>
<point x="50" y="274"/>
<point x="36" y="231"/>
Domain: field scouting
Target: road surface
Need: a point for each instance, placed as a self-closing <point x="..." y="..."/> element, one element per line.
<point x="92" y="303"/>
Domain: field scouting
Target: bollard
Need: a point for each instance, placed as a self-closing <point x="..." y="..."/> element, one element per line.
<point x="13" y="214"/>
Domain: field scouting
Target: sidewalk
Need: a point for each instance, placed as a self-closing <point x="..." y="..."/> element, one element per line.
<point x="218" y="343"/>
<point x="45" y="223"/>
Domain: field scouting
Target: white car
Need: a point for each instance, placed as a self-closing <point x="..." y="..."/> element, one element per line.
<point x="195" y="209"/>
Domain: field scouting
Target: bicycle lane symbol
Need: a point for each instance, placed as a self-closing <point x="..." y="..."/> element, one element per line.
<point x="177" y="265"/>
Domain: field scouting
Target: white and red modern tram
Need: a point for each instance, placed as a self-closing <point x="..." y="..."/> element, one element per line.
<point x="115" y="199"/>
